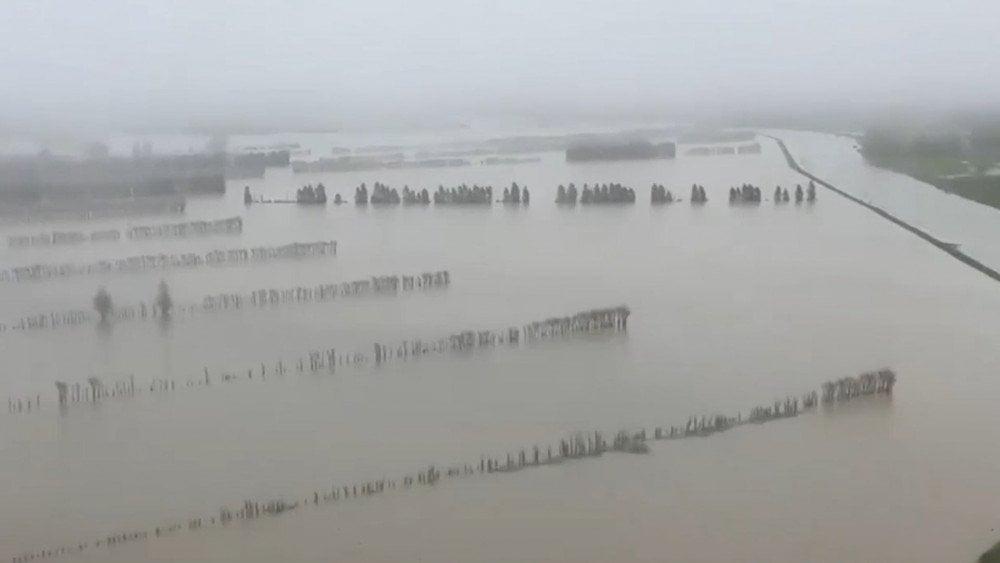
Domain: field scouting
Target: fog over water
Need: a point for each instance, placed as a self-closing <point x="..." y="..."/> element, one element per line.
<point x="308" y="63"/>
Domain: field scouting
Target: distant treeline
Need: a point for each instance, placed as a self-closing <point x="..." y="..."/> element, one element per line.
<point x="633" y="150"/>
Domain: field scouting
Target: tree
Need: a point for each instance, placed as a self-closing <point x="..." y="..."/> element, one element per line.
<point x="103" y="304"/>
<point x="163" y="300"/>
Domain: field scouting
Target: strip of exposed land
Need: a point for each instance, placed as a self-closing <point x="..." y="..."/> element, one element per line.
<point x="950" y="248"/>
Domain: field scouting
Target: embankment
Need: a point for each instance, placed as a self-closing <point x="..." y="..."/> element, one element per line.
<point x="951" y="249"/>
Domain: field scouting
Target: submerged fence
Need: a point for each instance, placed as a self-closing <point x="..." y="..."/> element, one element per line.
<point x="325" y="292"/>
<point x="56" y="238"/>
<point x="613" y="319"/>
<point x="151" y="262"/>
<point x="376" y="285"/>
<point x="228" y="226"/>
<point x="575" y="447"/>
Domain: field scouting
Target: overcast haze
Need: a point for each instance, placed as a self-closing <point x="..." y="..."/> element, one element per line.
<point x="119" y="63"/>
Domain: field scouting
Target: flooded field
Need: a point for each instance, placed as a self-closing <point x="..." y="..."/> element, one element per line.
<point x="731" y="306"/>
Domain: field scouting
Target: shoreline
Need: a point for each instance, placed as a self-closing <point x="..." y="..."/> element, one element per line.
<point x="951" y="248"/>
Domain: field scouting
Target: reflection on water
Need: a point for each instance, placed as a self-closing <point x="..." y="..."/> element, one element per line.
<point x="732" y="306"/>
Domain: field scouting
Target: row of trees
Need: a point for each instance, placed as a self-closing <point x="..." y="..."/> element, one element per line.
<point x="105" y="306"/>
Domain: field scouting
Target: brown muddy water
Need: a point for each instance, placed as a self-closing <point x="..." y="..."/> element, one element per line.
<point x="731" y="307"/>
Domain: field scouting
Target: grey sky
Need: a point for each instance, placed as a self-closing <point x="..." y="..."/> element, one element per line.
<point x="117" y="61"/>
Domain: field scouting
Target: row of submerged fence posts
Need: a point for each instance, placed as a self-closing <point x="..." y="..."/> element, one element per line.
<point x="577" y="446"/>
<point x="230" y="225"/>
<point x="23" y="404"/>
<point x="227" y="226"/>
<point x="839" y="391"/>
<point x="77" y="318"/>
<point x="262" y="297"/>
<point x="868" y="383"/>
<point x="149" y="262"/>
<point x="62" y="237"/>
<point x="301" y="294"/>
<point x="52" y="320"/>
<point x="614" y="319"/>
<point x="94" y="390"/>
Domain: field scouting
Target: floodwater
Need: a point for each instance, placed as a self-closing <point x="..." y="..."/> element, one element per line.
<point x="952" y="218"/>
<point x="731" y="307"/>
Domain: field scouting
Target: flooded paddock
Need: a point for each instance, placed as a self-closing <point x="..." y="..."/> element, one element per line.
<point x="731" y="306"/>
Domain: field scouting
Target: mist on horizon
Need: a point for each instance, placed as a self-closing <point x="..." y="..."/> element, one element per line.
<point x="228" y="65"/>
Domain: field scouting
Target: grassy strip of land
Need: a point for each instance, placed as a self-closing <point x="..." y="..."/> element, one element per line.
<point x="948" y="173"/>
<point x="991" y="556"/>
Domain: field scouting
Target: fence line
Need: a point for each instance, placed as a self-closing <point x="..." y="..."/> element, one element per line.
<point x="575" y="447"/>
<point x="376" y="285"/>
<point x="228" y="226"/>
<point x="150" y="262"/>
<point x="594" y="321"/>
